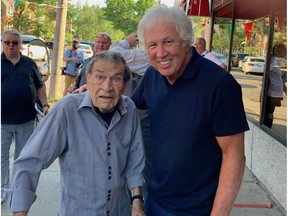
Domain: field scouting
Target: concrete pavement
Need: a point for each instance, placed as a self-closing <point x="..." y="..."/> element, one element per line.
<point x="252" y="196"/>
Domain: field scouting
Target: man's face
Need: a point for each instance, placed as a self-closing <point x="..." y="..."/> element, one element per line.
<point x="199" y="45"/>
<point x="102" y="42"/>
<point x="106" y="84"/>
<point x="167" y="52"/>
<point x="11" y="45"/>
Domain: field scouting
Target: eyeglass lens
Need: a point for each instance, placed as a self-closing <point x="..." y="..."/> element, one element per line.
<point x="14" y="43"/>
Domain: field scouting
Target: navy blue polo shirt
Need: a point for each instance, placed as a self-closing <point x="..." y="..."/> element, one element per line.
<point x="204" y="102"/>
<point x="18" y="90"/>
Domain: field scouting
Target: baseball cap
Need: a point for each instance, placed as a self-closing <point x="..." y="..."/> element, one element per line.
<point x="75" y="41"/>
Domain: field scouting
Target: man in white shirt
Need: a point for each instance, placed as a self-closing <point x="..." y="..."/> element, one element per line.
<point x="200" y="45"/>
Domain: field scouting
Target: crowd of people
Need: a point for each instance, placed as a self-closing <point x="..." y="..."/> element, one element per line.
<point x="139" y="132"/>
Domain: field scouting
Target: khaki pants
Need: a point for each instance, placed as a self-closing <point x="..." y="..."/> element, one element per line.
<point x="69" y="80"/>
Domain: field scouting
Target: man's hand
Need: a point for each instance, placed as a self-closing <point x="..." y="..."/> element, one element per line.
<point x="137" y="208"/>
<point x="80" y="90"/>
<point x="132" y="39"/>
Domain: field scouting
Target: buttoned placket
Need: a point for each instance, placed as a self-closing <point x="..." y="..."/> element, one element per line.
<point x="109" y="176"/>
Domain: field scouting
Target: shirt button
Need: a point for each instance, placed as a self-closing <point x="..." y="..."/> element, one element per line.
<point x="109" y="154"/>
<point x="108" y="213"/>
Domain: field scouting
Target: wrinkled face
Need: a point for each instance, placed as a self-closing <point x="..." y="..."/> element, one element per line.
<point x="106" y="84"/>
<point x="102" y="42"/>
<point x="167" y="52"/>
<point x="11" y="45"/>
<point x="199" y="45"/>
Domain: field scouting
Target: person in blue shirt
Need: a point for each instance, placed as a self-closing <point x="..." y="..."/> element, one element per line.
<point x="97" y="138"/>
<point x="197" y="121"/>
<point x="73" y="58"/>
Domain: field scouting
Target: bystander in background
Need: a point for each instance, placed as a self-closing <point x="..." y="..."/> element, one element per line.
<point x="21" y="84"/>
<point x="74" y="59"/>
<point x="275" y="85"/>
<point x="200" y="45"/>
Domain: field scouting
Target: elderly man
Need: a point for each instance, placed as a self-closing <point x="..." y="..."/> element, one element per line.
<point x="21" y="83"/>
<point x="200" y="45"/>
<point x="197" y="122"/>
<point x="97" y="137"/>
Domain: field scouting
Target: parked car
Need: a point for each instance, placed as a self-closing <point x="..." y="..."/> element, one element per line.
<point x="34" y="47"/>
<point x="238" y="57"/>
<point x="253" y="65"/>
<point x="242" y="61"/>
<point x="86" y="50"/>
<point x="222" y="58"/>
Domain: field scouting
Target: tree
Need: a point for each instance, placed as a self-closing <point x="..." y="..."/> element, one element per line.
<point x="125" y="14"/>
<point x="88" y="21"/>
<point x="34" y="18"/>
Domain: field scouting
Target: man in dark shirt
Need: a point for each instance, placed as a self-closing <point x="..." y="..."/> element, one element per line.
<point x="197" y="132"/>
<point x="21" y="85"/>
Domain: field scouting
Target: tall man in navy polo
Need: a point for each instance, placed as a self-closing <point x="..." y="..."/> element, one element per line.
<point x="197" y="122"/>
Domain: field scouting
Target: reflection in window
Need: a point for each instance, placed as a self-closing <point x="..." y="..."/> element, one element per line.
<point x="248" y="65"/>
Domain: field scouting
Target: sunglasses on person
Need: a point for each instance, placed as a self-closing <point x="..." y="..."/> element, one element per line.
<point x="14" y="43"/>
<point x="103" y="35"/>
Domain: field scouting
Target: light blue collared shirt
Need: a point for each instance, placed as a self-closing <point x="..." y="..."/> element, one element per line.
<point x="136" y="58"/>
<point x="96" y="161"/>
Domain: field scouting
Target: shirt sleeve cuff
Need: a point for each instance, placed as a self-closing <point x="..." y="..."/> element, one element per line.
<point x="20" y="199"/>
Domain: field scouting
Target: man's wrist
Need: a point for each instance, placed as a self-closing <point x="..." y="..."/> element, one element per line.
<point x="46" y="105"/>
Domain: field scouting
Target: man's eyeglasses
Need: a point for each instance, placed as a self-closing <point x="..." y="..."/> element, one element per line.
<point x="104" y="36"/>
<point x="14" y="43"/>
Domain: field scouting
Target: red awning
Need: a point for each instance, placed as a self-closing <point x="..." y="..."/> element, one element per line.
<point x="196" y="7"/>
<point x="248" y="9"/>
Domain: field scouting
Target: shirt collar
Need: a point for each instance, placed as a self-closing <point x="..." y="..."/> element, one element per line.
<point x="87" y="102"/>
<point x="193" y="65"/>
<point x="204" y="52"/>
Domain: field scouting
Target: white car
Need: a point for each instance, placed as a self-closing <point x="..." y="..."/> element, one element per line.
<point x="240" y="63"/>
<point x="86" y="50"/>
<point x="34" y="47"/>
<point x="253" y="65"/>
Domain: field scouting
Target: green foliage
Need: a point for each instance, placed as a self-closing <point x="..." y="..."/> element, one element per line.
<point x="125" y="14"/>
<point x="252" y="50"/>
<point x="36" y="20"/>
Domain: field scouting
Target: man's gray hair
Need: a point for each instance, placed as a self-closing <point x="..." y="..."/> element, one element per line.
<point x="112" y="57"/>
<point x="13" y="32"/>
<point x="174" y="15"/>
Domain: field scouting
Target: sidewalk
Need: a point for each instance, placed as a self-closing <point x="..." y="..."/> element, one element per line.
<point x="251" y="195"/>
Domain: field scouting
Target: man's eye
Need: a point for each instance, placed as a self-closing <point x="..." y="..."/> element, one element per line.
<point x="151" y="45"/>
<point x="169" y="41"/>
<point x="116" y="80"/>
<point x="100" y="78"/>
